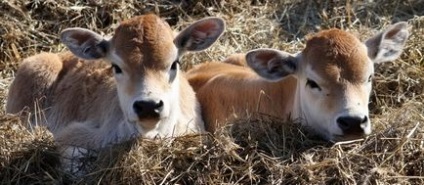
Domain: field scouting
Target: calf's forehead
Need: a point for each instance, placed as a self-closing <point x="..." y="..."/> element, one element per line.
<point x="144" y="41"/>
<point x="336" y="55"/>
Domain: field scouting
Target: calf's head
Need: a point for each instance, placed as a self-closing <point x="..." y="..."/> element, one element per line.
<point x="144" y="53"/>
<point x="334" y="74"/>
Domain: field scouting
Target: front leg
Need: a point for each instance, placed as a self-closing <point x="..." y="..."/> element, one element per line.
<point x="78" y="145"/>
<point x="76" y="160"/>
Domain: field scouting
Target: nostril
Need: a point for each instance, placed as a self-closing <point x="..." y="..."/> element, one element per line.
<point x="159" y="106"/>
<point x="148" y="108"/>
<point x="343" y="124"/>
<point x="365" y="119"/>
<point x="137" y="106"/>
<point x="351" y="125"/>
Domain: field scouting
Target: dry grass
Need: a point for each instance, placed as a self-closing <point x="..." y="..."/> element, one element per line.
<point x="272" y="153"/>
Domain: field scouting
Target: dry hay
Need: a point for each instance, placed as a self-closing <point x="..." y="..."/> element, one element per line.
<point x="253" y="151"/>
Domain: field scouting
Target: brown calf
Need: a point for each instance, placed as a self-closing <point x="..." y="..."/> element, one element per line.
<point x="88" y="104"/>
<point x="327" y="85"/>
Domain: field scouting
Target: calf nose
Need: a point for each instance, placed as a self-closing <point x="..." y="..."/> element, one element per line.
<point x="352" y="125"/>
<point x="148" y="108"/>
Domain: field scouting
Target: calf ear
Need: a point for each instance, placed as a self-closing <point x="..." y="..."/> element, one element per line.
<point x="271" y="64"/>
<point x="200" y="35"/>
<point x="84" y="43"/>
<point x="388" y="45"/>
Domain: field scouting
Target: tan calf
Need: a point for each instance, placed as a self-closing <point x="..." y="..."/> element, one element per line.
<point x="86" y="103"/>
<point x="327" y="85"/>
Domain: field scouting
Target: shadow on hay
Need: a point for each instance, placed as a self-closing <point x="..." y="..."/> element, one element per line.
<point x="249" y="151"/>
<point x="252" y="146"/>
<point x="26" y="156"/>
<point x="37" y="165"/>
<point x="274" y="137"/>
<point x="264" y="150"/>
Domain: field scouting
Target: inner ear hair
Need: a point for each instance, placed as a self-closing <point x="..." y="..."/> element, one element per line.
<point x="388" y="45"/>
<point x="200" y="35"/>
<point x="271" y="64"/>
<point x="84" y="43"/>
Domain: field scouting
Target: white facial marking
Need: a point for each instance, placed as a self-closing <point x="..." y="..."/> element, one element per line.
<point x="323" y="104"/>
<point x="151" y="86"/>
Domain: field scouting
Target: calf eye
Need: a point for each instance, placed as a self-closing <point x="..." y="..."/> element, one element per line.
<point x="312" y="84"/>
<point x="370" y="78"/>
<point x="173" y="71"/>
<point x="117" y="69"/>
<point x="175" y="65"/>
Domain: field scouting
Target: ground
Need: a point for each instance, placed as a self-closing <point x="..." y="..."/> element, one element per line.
<point x="264" y="151"/>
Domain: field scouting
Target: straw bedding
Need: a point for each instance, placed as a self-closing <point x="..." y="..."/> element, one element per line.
<point x="260" y="151"/>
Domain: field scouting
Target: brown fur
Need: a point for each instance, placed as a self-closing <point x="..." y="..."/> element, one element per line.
<point x="336" y="55"/>
<point x="151" y="49"/>
<point x="69" y="86"/>
<point x="342" y="60"/>
<point x="226" y="91"/>
<point x="236" y="59"/>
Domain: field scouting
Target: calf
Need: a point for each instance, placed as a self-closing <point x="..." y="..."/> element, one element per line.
<point x="326" y="86"/>
<point x="86" y="103"/>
